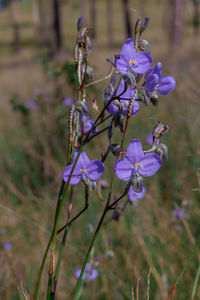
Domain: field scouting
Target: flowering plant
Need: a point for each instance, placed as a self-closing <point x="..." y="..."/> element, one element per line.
<point x="132" y="83"/>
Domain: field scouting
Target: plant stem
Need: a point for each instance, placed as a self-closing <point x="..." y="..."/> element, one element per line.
<point x="79" y="282"/>
<point x="48" y="246"/>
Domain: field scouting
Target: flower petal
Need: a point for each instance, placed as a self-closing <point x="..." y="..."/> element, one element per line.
<point x="92" y="275"/>
<point x="123" y="169"/>
<point x="76" y="176"/>
<point x="95" y="169"/>
<point x="135" y="108"/>
<point x="143" y="62"/>
<point x="83" y="160"/>
<point x="158" y="69"/>
<point x="149" y="139"/>
<point x="121" y="64"/>
<point x="134" y="151"/>
<point x="132" y="195"/>
<point x="149" y="164"/>
<point x="166" y="85"/>
<point x="152" y="81"/>
<point x="128" y="49"/>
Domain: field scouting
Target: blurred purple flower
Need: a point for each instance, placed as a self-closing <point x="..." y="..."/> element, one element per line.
<point x="129" y="60"/>
<point x="67" y="102"/>
<point x="121" y="106"/>
<point x="86" y="124"/>
<point x="89" y="274"/>
<point x="179" y="213"/>
<point x="133" y="196"/>
<point x="32" y="105"/>
<point x="7" y="246"/>
<point x="91" y="169"/>
<point x="156" y="82"/>
<point x="149" y="139"/>
<point x="136" y="162"/>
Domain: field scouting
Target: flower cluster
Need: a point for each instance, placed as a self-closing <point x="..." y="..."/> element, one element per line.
<point x="138" y="82"/>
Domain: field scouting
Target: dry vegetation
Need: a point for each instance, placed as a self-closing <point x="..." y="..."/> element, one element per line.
<point x="32" y="150"/>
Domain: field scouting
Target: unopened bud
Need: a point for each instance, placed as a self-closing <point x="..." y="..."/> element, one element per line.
<point x="110" y="131"/>
<point x="113" y="80"/>
<point x="90" y="72"/>
<point x="115" y="149"/>
<point x="81" y="107"/>
<point x="90" y="183"/>
<point x="144" y="25"/>
<point x="159" y="130"/>
<point x="143" y="96"/>
<point x="79" y="23"/>
<point x="162" y="151"/>
<point x="137" y="183"/>
<point x="129" y="78"/>
<point x="144" y="45"/>
<point x="111" y="60"/>
<point x="138" y="25"/>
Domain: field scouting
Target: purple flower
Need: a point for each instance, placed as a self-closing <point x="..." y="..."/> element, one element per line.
<point x="136" y="162"/>
<point x="84" y="169"/>
<point x="67" y="102"/>
<point x="86" y="124"/>
<point x="133" y="196"/>
<point x="179" y="213"/>
<point x="129" y="60"/>
<point x="149" y="139"/>
<point x="89" y="274"/>
<point x="7" y="246"/>
<point x="31" y="105"/>
<point x="121" y="106"/>
<point x="156" y="82"/>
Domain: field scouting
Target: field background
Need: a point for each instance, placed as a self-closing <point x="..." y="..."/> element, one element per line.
<point x="33" y="150"/>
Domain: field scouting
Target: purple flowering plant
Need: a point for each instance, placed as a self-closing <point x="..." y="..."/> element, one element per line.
<point x="133" y="82"/>
<point x="90" y="273"/>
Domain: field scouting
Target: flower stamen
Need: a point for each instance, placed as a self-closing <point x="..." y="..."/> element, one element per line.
<point x="137" y="165"/>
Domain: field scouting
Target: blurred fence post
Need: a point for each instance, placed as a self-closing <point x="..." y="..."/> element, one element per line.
<point x="14" y="17"/>
<point x="36" y="16"/>
<point x="196" y="16"/>
<point x="126" y="9"/>
<point x="57" y="23"/>
<point x="109" y="14"/>
<point x="176" y="22"/>
<point x="84" y="9"/>
<point x="93" y="15"/>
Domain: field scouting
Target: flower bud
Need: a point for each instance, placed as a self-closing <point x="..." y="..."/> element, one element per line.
<point x="115" y="149"/>
<point x="110" y="131"/>
<point x="81" y="107"/>
<point x="162" y="151"/>
<point x="144" y="45"/>
<point x="129" y="78"/>
<point x="137" y="182"/>
<point x="79" y="23"/>
<point x="111" y="60"/>
<point x="91" y="184"/>
<point x="159" y="130"/>
<point x="113" y="80"/>
<point x="90" y="72"/>
<point x="143" y="96"/>
<point x="118" y="120"/>
<point x="138" y="25"/>
<point x="144" y="25"/>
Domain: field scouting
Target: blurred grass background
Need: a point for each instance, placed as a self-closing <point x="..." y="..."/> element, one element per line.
<point x="33" y="150"/>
